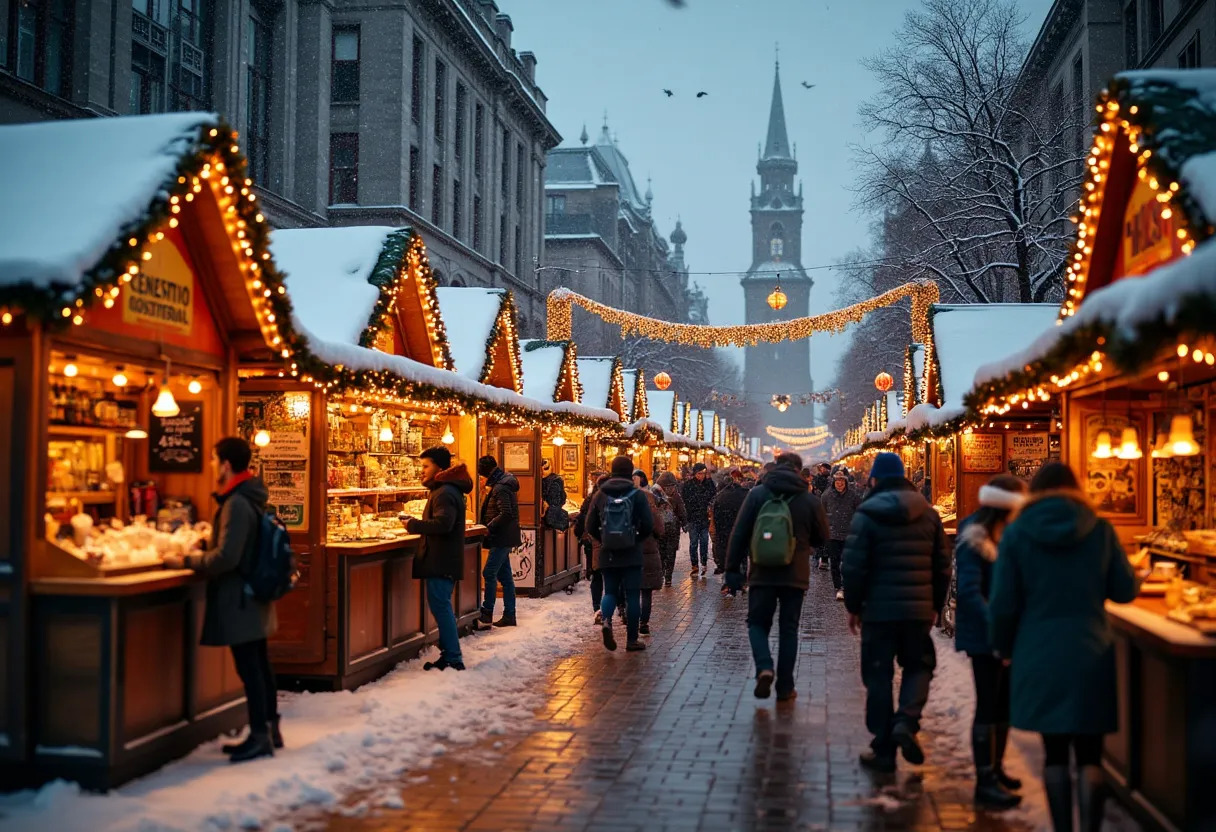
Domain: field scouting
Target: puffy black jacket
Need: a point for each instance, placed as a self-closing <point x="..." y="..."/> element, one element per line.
<point x="698" y="494"/>
<point x="643" y="522"/>
<point x="839" y="509"/>
<point x="500" y="511"/>
<point x="724" y="510"/>
<point x="810" y="530"/>
<point x="442" y="526"/>
<point x="896" y="564"/>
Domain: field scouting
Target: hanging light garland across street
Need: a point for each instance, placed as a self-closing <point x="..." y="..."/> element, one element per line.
<point x="795" y="436"/>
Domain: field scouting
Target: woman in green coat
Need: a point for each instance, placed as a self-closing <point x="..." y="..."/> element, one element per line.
<point x="1059" y="563"/>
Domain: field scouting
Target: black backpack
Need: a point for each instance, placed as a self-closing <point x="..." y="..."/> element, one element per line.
<point x="616" y="522"/>
<point x="273" y="572"/>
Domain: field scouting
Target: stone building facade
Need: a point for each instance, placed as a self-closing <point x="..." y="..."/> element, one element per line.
<point x="351" y="112"/>
<point x="601" y="241"/>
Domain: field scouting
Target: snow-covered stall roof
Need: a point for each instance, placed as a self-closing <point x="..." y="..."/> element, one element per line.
<point x="707" y="425"/>
<point x="542" y="363"/>
<point x="328" y="276"/>
<point x="471" y="315"/>
<point x="595" y="374"/>
<point x="661" y="404"/>
<point x="631" y="394"/>
<point x="694" y="421"/>
<point x="71" y="189"/>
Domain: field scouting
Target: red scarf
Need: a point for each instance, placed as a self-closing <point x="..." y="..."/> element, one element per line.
<point x="236" y="480"/>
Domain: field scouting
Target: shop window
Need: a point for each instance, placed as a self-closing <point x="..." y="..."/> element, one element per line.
<point x="437" y="196"/>
<point x="416" y="82"/>
<point x="1188" y="58"/>
<point x="1131" y="35"/>
<point x="343" y="168"/>
<point x="258" y="67"/>
<point x="39" y="49"/>
<point x="344" y="69"/>
<point x="415" y="177"/>
<point x="441" y="116"/>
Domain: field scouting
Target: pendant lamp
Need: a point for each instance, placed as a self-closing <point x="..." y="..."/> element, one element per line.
<point x="1103" y="449"/>
<point x="1182" y="435"/>
<point x="1129" y="447"/>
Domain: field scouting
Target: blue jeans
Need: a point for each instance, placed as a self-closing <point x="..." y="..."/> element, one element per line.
<point x="439" y="600"/>
<point x="498" y="570"/>
<point x="762" y="603"/>
<point x="698" y="539"/>
<point x="623" y="583"/>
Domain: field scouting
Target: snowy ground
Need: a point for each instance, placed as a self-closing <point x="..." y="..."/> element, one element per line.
<point x="338" y="744"/>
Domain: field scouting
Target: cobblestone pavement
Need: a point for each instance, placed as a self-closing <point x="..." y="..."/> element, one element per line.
<point x="672" y="739"/>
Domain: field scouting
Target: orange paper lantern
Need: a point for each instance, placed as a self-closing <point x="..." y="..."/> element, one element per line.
<point x="883" y="382"/>
<point x="662" y="381"/>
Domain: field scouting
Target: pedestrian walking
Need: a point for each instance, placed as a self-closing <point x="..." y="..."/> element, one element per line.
<point x="652" y="560"/>
<point x="233" y="618"/>
<point x="778" y="526"/>
<point x="619" y="518"/>
<point x="500" y="516"/>
<point x="839" y="503"/>
<point x="698" y="493"/>
<point x="974" y="558"/>
<point x="1059" y="563"/>
<point x="591" y="546"/>
<point x="553" y="493"/>
<point x="896" y="570"/>
<point x="440" y="560"/>
<point x="670" y="543"/>
<point x="822" y="480"/>
<point x="723" y="511"/>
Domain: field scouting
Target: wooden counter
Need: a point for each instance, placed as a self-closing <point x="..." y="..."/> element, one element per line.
<point x="1162" y="761"/>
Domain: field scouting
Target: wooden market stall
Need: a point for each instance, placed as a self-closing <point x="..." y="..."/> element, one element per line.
<point x="1134" y="365"/>
<point x="603" y="384"/>
<point x="133" y="285"/>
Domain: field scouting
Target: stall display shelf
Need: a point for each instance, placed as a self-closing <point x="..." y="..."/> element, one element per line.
<point x="377" y="492"/>
<point x="86" y="498"/>
<point x="63" y="429"/>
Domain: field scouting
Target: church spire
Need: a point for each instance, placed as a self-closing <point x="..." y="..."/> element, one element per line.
<point x="778" y="144"/>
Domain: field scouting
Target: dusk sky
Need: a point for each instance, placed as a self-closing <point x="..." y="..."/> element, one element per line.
<point x="701" y="153"/>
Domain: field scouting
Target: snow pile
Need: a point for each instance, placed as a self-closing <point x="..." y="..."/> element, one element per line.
<point x="328" y="272"/>
<point x="337" y="743"/>
<point x="595" y="375"/>
<point x="72" y="187"/>
<point x="468" y="315"/>
<point x="542" y="366"/>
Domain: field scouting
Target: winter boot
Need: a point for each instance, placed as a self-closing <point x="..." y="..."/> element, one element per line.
<point x="1057" y="781"/>
<point x="644" y="629"/>
<point x="443" y="664"/>
<point x="989" y="793"/>
<point x="764" y="684"/>
<point x="485" y="621"/>
<point x="878" y="761"/>
<point x="1091" y="797"/>
<point x="903" y="736"/>
<point x="609" y="638"/>
<point x="635" y="647"/>
<point x="259" y="745"/>
<point x="999" y="742"/>
<point x="507" y="620"/>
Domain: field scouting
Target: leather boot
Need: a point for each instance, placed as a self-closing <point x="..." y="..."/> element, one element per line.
<point x="1000" y="739"/>
<point x="485" y="621"/>
<point x="1091" y="797"/>
<point x="989" y="792"/>
<point x="276" y="739"/>
<point x="1057" y="782"/>
<point x="259" y="745"/>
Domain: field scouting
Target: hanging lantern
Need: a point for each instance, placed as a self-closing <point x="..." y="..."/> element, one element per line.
<point x="1182" y="436"/>
<point x="448" y="437"/>
<point x="1129" y="446"/>
<point x="1162" y="448"/>
<point x="386" y="433"/>
<point x="777" y="299"/>
<point x="662" y="381"/>
<point x="120" y="377"/>
<point x="883" y="382"/>
<point x="1103" y="449"/>
<point x="165" y="405"/>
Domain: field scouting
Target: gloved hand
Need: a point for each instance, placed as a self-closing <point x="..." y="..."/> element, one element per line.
<point x="734" y="581"/>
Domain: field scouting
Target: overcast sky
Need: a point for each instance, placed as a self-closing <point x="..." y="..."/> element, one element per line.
<point x="617" y="56"/>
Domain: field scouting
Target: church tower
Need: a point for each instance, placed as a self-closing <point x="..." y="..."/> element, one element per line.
<point x="783" y="368"/>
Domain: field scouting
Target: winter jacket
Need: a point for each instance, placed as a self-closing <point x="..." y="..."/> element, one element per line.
<point x="822" y="483"/>
<point x="698" y="494"/>
<point x="1058" y="565"/>
<point x="896" y="563"/>
<point x="591" y="546"/>
<point x="500" y="511"/>
<point x="724" y="511"/>
<point x="232" y="616"/>
<point x="643" y="522"/>
<point x="671" y="487"/>
<point x="839" y="509"/>
<point x="442" y="525"/>
<point x="810" y="530"/>
<point x="652" y="560"/>
<point x="974" y="555"/>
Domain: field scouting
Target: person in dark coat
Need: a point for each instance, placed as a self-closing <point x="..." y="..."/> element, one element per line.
<point x="974" y="556"/>
<point x="553" y="493"/>
<point x="773" y="587"/>
<point x="1059" y="564"/>
<point x="822" y="480"/>
<point x="698" y="493"/>
<point x="440" y="560"/>
<point x="896" y="571"/>
<point x="500" y="516"/>
<point x="839" y="503"/>
<point x="671" y="537"/>
<point x="723" y="511"/>
<point x="652" y="563"/>
<point x="232" y="617"/>
<point x="591" y="547"/>
<point x="621" y="566"/>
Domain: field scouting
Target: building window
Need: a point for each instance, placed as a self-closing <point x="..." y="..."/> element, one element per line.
<point x="170" y="41"/>
<point x="416" y="82"/>
<point x="344" y="70"/>
<point x="519" y="250"/>
<point x="148" y="69"/>
<point x="462" y="103"/>
<point x="41" y="47"/>
<point x="457" y="214"/>
<point x="343" y="168"/>
<point x="415" y="178"/>
<point x="188" y="57"/>
<point x="555" y="205"/>
<point x="1131" y="36"/>
<point x="437" y="196"/>
<point x="477" y="223"/>
<point x="1078" y="102"/>
<point x="502" y="239"/>
<point x="479" y="137"/>
<point x="1188" y="58"/>
<point x="1154" y="21"/>
<point x="257" y="124"/>
<point x="776" y="248"/>
<point x="520" y="167"/>
<point x="441" y="81"/>
<point x="506" y="167"/>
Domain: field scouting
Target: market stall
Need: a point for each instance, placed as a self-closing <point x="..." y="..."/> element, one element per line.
<point x="603" y="386"/>
<point x="1133" y="366"/>
<point x="133" y="284"/>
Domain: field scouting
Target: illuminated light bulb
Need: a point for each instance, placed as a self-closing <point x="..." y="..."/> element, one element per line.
<point x="1183" y="350"/>
<point x="165" y="405"/>
<point x="386" y="434"/>
<point x="261" y="438"/>
<point x="120" y="378"/>
<point x="136" y="433"/>
<point x="1162" y="448"/>
<point x="1103" y="449"/>
<point x="559" y="440"/>
<point x="1129" y="447"/>
<point x="1164" y="375"/>
<point x="70" y="370"/>
<point x="1182" y="436"/>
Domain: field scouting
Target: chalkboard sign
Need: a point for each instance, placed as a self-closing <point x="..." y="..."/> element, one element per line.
<point x="175" y="443"/>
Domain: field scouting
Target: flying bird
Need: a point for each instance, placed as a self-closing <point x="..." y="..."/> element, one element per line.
<point x="808" y="86"/>
<point x="668" y="93"/>
<point x="702" y="94"/>
<point x="679" y="4"/>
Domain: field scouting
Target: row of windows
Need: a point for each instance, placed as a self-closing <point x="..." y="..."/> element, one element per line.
<point x="1148" y="17"/>
<point x="35" y="43"/>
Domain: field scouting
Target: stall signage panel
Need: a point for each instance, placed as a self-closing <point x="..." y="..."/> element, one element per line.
<point x="175" y="443"/>
<point x="523" y="559"/>
<point x="162" y="294"/>
<point x="284" y="469"/>
<point x="1027" y="453"/>
<point x="983" y="453"/>
<point x="1148" y="240"/>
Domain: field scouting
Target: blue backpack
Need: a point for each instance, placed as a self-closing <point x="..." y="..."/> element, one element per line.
<point x="273" y="573"/>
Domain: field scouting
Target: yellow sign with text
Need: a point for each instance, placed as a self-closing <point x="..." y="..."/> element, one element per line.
<point x="162" y="294"/>
<point x="1148" y="238"/>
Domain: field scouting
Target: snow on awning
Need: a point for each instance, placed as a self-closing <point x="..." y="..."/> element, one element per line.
<point x="662" y="406"/>
<point x="482" y="334"/>
<point x="550" y="370"/>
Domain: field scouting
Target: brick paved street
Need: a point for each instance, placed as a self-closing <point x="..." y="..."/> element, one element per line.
<point x="672" y="739"/>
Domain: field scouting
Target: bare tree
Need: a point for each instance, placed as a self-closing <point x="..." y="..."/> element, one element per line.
<point x="696" y="372"/>
<point x="978" y="170"/>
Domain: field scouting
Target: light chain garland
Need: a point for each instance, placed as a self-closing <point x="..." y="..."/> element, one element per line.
<point x="561" y="320"/>
<point x="792" y="435"/>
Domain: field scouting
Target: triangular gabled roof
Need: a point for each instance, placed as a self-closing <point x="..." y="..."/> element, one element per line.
<point x="603" y="383"/>
<point x="662" y="406"/>
<point x="484" y="346"/>
<point x="635" y="394"/>
<point x="709" y="426"/>
<point x="551" y="371"/>
<point x="694" y="425"/>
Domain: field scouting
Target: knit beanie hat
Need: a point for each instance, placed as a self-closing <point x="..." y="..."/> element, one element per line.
<point x="700" y="466"/>
<point x="887" y="465"/>
<point x="486" y="465"/>
<point x="622" y="466"/>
